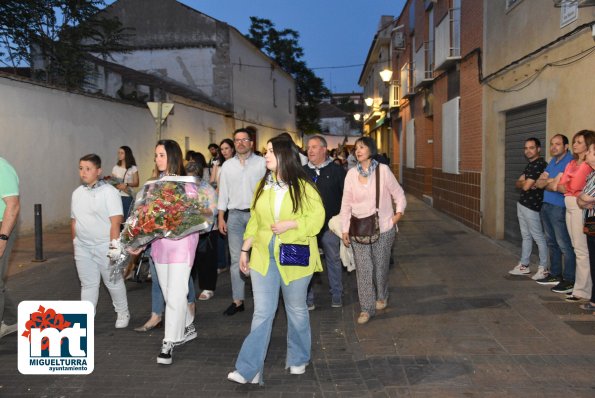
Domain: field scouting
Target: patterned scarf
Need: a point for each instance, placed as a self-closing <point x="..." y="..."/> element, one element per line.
<point x="373" y="165"/>
<point x="97" y="184"/>
<point x="271" y="182"/>
<point x="321" y="166"/>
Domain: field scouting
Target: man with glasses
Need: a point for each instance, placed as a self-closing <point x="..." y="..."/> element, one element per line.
<point x="237" y="181"/>
<point x="328" y="177"/>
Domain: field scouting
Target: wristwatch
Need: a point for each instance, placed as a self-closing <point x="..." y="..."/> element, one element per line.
<point x="3" y="237"/>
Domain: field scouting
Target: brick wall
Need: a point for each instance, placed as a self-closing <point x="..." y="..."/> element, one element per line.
<point x="470" y="117"/>
<point x="458" y="195"/>
<point x="418" y="181"/>
<point x="471" y="25"/>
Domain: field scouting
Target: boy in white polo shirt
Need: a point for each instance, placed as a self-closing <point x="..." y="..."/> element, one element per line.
<point x="96" y="213"/>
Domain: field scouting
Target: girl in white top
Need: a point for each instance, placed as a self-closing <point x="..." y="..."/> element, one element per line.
<point x="227" y="152"/>
<point x="126" y="171"/>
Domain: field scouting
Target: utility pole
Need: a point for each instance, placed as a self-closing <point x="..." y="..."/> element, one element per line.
<point x="160" y="111"/>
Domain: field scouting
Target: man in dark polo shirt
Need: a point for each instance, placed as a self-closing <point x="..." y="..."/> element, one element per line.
<point x="528" y="208"/>
<point x="328" y="177"/>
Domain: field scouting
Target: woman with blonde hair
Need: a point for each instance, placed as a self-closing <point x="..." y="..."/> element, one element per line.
<point x="571" y="184"/>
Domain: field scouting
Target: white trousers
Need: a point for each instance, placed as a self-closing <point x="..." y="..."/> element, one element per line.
<point x="574" y="223"/>
<point x="92" y="265"/>
<point x="173" y="280"/>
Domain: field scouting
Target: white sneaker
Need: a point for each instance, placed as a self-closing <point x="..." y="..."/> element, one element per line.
<point x="189" y="334"/>
<point x="165" y="356"/>
<point x="238" y="378"/>
<point x="540" y="274"/>
<point x="297" y="370"/>
<point x="520" y="269"/>
<point x="7" y="329"/>
<point x="123" y="319"/>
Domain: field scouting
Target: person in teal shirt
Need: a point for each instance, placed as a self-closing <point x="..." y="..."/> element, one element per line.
<point x="9" y="213"/>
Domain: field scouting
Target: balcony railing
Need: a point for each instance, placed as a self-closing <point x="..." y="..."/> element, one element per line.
<point x="424" y="64"/>
<point x="429" y="58"/>
<point x="406" y="80"/>
<point x="448" y="39"/>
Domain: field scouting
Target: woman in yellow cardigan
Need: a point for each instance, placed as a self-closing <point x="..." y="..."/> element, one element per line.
<point x="286" y="209"/>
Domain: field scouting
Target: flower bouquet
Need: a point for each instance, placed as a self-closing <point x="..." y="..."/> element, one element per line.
<point x="115" y="181"/>
<point x="171" y="207"/>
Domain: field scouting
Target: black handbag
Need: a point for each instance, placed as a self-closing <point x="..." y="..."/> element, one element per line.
<point x="366" y="230"/>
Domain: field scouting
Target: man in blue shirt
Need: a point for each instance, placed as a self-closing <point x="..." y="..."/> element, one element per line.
<point x="553" y="216"/>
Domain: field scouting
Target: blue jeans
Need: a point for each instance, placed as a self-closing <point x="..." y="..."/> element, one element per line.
<point x="126" y="203"/>
<point x="558" y="241"/>
<point x="266" y="300"/>
<point x="8" y="309"/>
<point x="236" y="226"/>
<point x="157" y="299"/>
<point x="331" y="244"/>
<point x="531" y="229"/>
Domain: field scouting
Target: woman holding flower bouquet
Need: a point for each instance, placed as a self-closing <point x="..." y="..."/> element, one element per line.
<point x="286" y="214"/>
<point x="125" y="177"/>
<point x="179" y="206"/>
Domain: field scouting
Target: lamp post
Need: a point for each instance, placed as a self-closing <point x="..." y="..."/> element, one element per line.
<point x="386" y="74"/>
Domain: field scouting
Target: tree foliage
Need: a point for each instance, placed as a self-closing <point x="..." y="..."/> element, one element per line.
<point x="283" y="47"/>
<point x="53" y="37"/>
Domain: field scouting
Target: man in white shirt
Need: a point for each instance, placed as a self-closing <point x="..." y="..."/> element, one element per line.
<point x="237" y="181"/>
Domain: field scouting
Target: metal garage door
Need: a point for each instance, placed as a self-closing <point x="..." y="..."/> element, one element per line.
<point x="521" y="123"/>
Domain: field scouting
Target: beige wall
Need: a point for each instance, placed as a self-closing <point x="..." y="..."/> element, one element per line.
<point x="45" y="131"/>
<point x="568" y="90"/>
<point x="252" y="91"/>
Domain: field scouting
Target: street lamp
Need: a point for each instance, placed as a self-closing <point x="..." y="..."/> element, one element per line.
<point x="357" y="116"/>
<point x="386" y="75"/>
<point x="369" y="101"/>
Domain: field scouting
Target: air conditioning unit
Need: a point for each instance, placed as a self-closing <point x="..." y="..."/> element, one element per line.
<point x="580" y="3"/>
<point x="428" y="103"/>
<point x="398" y="40"/>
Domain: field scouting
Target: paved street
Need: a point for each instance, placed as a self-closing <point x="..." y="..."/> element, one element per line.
<point x="456" y="325"/>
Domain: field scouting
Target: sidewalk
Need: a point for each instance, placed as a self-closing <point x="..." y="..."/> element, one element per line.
<point x="57" y="247"/>
<point x="456" y="326"/>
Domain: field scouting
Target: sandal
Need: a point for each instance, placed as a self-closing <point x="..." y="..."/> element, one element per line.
<point x="381" y="304"/>
<point x="574" y="299"/>
<point x="364" y="317"/>
<point x="206" y="295"/>
<point x="587" y="307"/>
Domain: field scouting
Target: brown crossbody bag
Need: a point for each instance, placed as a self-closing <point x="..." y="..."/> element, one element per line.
<point x="366" y="230"/>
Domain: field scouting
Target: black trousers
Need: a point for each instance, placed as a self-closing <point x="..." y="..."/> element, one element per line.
<point x="591" y="246"/>
<point x="204" y="269"/>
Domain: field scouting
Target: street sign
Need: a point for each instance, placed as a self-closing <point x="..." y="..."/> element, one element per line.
<point x="166" y="108"/>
